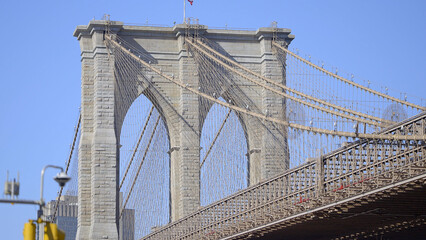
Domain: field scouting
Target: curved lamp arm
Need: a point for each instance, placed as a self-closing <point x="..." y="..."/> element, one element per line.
<point x="42" y="181"/>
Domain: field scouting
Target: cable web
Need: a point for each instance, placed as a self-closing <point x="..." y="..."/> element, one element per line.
<point x="313" y="112"/>
<point x="148" y="201"/>
<point x="225" y="167"/>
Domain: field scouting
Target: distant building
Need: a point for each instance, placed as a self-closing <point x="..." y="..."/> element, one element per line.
<point x="67" y="213"/>
<point x="127" y="225"/>
<point x="126" y="229"/>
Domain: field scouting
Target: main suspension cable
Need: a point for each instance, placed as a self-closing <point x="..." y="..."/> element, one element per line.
<point x="261" y="116"/>
<point x="325" y="103"/>
<point x="348" y="81"/>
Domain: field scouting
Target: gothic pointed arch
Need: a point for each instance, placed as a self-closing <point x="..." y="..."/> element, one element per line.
<point x="223" y="159"/>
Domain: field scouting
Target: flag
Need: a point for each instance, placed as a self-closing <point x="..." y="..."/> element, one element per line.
<point x="191" y="1"/>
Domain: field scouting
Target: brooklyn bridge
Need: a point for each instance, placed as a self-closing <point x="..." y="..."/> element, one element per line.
<point x="233" y="134"/>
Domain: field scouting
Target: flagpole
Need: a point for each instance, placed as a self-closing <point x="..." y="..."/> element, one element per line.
<point x="184" y="9"/>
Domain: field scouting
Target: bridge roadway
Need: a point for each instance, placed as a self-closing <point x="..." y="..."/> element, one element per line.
<point x="397" y="211"/>
<point x="365" y="190"/>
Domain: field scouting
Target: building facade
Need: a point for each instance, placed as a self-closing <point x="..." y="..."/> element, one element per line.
<point x="67" y="213"/>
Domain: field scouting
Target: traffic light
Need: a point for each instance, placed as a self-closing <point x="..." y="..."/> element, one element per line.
<point x="29" y="230"/>
<point x="52" y="232"/>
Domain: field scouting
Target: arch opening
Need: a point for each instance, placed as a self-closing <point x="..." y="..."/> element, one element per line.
<point x="225" y="168"/>
<point x="148" y="205"/>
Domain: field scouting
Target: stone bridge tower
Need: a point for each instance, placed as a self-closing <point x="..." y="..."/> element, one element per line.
<point x="180" y="109"/>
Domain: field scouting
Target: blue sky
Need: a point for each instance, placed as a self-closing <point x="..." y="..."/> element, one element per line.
<point x="382" y="41"/>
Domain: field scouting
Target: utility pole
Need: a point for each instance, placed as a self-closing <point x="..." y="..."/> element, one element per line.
<point x="12" y="189"/>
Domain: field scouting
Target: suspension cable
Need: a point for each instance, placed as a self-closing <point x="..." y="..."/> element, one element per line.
<point x="215" y="138"/>
<point x="140" y="166"/>
<point x="136" y="147"/>
<point x="68" y="162"/>
<point x="348" y="81"/>
<point x="372" y="123"/>
<point x="325" y="103"/>
<point x="260" y="116"/>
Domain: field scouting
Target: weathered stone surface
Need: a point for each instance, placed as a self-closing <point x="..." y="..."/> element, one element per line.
<point x="180" y="109"/>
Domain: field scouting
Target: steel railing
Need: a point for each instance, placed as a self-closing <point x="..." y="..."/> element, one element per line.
<point x="355" y="168"/>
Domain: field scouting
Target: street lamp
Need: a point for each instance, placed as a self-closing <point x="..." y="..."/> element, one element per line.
<point x="62" y="178"/>
<point x="29" y="230"/>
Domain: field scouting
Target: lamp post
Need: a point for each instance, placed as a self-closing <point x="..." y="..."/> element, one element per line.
<point x="61" y="178"/>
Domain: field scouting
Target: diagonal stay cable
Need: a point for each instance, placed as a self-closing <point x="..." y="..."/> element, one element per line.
<point x="261" y="116"/>
<point x="348" y="81"/>
<point x="343" y="115"/>
<point x="215" y="138"/>
<point x="136" y="147"/>
<point x="325" y="103"/>
<point x="68" y="162"/>
<point x="140" y="166"/>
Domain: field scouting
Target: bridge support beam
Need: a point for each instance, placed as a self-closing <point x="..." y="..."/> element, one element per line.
<point x="85" y="147"/>
<point x="268" y="153"/>
<point x="98" y="166"/>
<point x="185" y="160"/>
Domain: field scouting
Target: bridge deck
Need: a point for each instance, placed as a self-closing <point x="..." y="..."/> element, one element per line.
<point x="366" y="188"/>
<point x="393" y="211"/>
